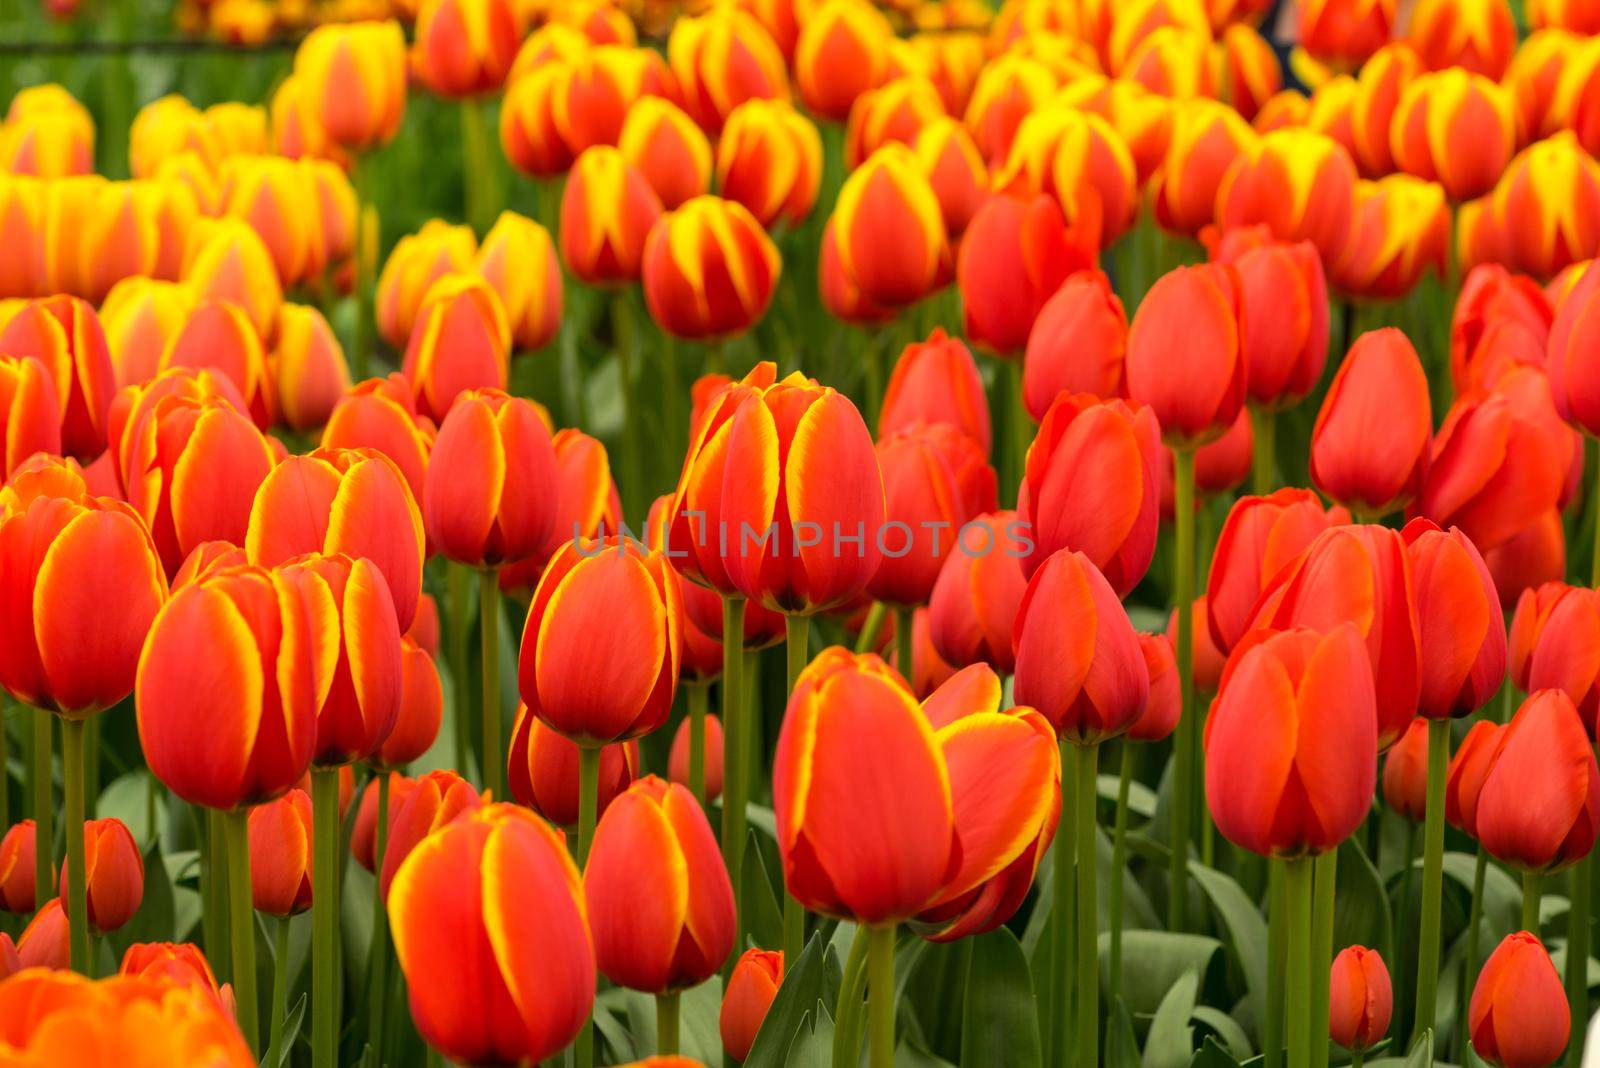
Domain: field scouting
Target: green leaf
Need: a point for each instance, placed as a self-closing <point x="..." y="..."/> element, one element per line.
<point x="1502" y="894"/>
<point x="763" y="916"/>
<point x="813" y="1043"/>
<point x="698" y="1012"/>
<point x="278" y="1056"/>
<point x="127" y="799"/>
<point x="911" y="1054"/>
<point x="1171" y="1039"/>
<point x="1361" y="907"/>
<point x="1000" y="1026"/>
<point x="1212" y="1055"/>
<point x="1122" y="1048"/>
<point x="1227" y="1030"/>
<point x="1247" y="930"/>
<point x="1421" y="1055"/>
<point x="1153" y="962"/>
<point x="1141" y="799"/>
<point x="936" y="994"/>
<point x="157" y="916"/>
<point x="797" y="997"/>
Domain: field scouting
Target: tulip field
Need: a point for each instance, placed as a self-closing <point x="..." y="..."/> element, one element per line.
<point x="923" y="533"/>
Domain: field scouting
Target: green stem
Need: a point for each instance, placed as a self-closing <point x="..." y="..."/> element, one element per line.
<point x="1088" y="977"/>
<point x="77" y="896"/>
<point x="904" y="647"/>
<point x="494" y="761"/>
<point x="1578" y="953"/>
<point x="243" y="919"/>
<point x="324" y="916"/>
<point x="1184" y="746"/>
<point x="798" y="650"/>
<point x="1263" y="473"/>
<point x="1119" y="861"/>
<point x="216" y="899"/>
<point x="1063" y="912"/>
<point x="379" y="954"/>
<point x="151" y="786"/>
<point x="1277" y="961"/>
<point x="280" y="981"/>
<point x="475" y="148"/>
<point x="588" y="799"/>
<point x="733" y="748"/>
<point x="1325" y="879"/>
<point x="699" y="699"/>
<point x="1432" y="878"/>
<point x="1469" y="964"/>
<point x="1407" y="921"/>
<point x="1532" y="887"/>
<point x="460" y="579"/>
<point x="1297" y="977"/>
<point x="629" y="478"/>
<point x="1356" y="1057"/>
<point x="44" y="807"/>
<point x="880" y="997"/>
<point x="847" y="1012"/>
<point x="871" y="626"/>
<point x="667" y="1024"/>
<point x="363" y="332"/>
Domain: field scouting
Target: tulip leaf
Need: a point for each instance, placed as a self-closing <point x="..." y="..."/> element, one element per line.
<point x="1246" y="929"/>
<point x="1502" y="895"/>
<point x="156" y="919"/>
<point x="935" y="992"/>
<point x="1137" y="911"/>
<point x="278" y="1056"/>
<point x="1141" y="799"/>
<point x="813" y="1042"/>
<point x="1122" y="1048"/>
<point x="1227" y="1031"/>
<point x="1212" y="1055"/>
<point x="912" y="1054"/>
<point x="1361" y="908"/>
<point x="798" y="995"/>
<point x="1170" y="1043"/>
<point x="1155" y="961"/>
<point x="762" y="919"/>
<point x="1000" y="1024"/>
<point x="127" y="799"/>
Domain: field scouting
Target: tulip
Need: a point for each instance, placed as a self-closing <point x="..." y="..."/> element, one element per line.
<point x="1077" y="344"/>
<point x="268" y="192"/>
<point x="936" y="381"/>
<point x="890" y="228"/>
<point x="381" y="414"/>
<point x="1534" y="557"/>
<point x="709" y="269"/>
<point x="721" y="60"/>
<point x="1401" y="230"/>
<point x="896" y="111"/>
<point x="280" y="855"/>
<point x="1435" y="105"/>
<point x="180" y="964"/>
<point x="364" y="831"/>
<point x="1380" y="83"/>
<point x="30" y="413"/>
<point x="47" y="133"/>
<point x="841" y="296"/>
<point x="18" y="859"/>
<point x="947" y="155"/>
<point x="842" y="51"/>
<point x="977" y="594"/>
<point x="1193" y="311"/>
<point x="1561" y="13"/>
<point x="593" y="97"/>
<point x="461" y="343"/>
<point x="1160" y="716"/>
<point x="1459" y="621"/>
<point x="418" y="261"/>
<point x="607" y="211"/>
<point x="464" y="48"/>
<point x="679" y="762"/>
<point x="307" y="368"/>
<point x="1469" y="768"/>
<point x="586" y="502"/>
<point x="225" y="259"/>
<point x="354" y="77"/>
<point x="665" y="145"/>
<point x="1285" y="349"/>
<point x="1207" y="138"/>
<point x="437" y="799"/>
<point x="1206" y="659"/>
<point x="45" y="942"/>
<point x="140" y="315"/>
<point x="1363" y="998"/>
<point x="1540" y="803"/>
<point x="218" y="337"/>
<point x="1008" y="89"/>
<point x="1220" y="467"/>
<point x="751" y="990"/>
<point x="1405" y="773"/>
<point x="543" y="770"/>
<point x="1381" y="384"/>
<point x="1299" y="183"/>
<point x="1498" y="312"/>
<point x="1346" y="32"/>
<point x="518" y="260"/>
<point x="469" y="993"/>
<point x="1569" y="362"/>
<point x="421" y="705"/>
<point x="769" y="158"/>
<point x="1518" y="1017"/>
<point x="64" y="334"/>
<point x="529" y="137"/>
<point x="113" y="875"/>
<point x="1535" y="75"/>
<point x="1478" y="36"/>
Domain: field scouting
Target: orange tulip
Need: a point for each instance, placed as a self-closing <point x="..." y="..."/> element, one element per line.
<point x="751" y="990"/>
<point x="955" y="170"/>
<point x="1285" y="348"/>
<point x="1206" y="139"/>
<point x="1249" y="73"/>
<point x="1346" y="32"/>
<point x="307" y="368"/>
<point x="461" y="344"/>
<point x="64" y="334"/>
<point x="421" y="705"/>
<point x="47" y="133"/>
<point x="1548" y="206"/>
<point x="842" y="51"/>
<point x="1535" y="74"/>
<point x="1072" y="155"/>
<point x="1519" y="1017"/>
<point x="529" y="136"/>
<point x="1540" y="804"/>
<point x="769" y="158"/>
<point x="952" y="60"/>
<point x="218" y="337"/>
<point x="593" y="97"/>
<point x="518" y="260"/>
<point x="665" y="145"/>
<point x="660" y="902"/>
<point x="17" y="867"/>
<point x="1535" y="556"/>
<point x="722" y="59"/>
<point x="1184" y="354"/>
<point x="140" y="315"/>
<point x="1161" y="711"/>
<point x="752" y="450"/>
<point x="586" y="502"/>
<point x="1090" y="485"/>
<point x="849" y="849"/>
<point x="936" y="381"/>
<point x="607" y="211"/>
<point x="436" y="800"/>
<point x="1469" y="767"/>
<point x="1459" y="621"/>
<point x="1009" y="88"/>
<point x="43" y="943"/>
<point x="269" y="193"/>
<point x="246" y="743"/>
<point x="1401" y="229"/>
<point x="1300" y="779"/>
<point x="1174" y="61"/>
<point x="485" y="502"/>
<point x="381" y="414"/>
<point x="1077" y="344"/>
<point x="416" y="263"/>
<point x="935" y="480"/>
<point x="1405" y="773"/>
<point x="1380" y="84"/>
<point x="113" y="874"/>
<point x="1552" y="644"/>
<point x="1299" y="183"/>
<point x="709" y="269"/>
<point x="678" y="758"/>
<point x="280" y="854"/>
<point x="180" y="964"/>
<point x="489" y="924"/>
<point x="225" y="259"/>
<point x="895" y="111"/>
<point x="364" y="831"/>
<point x="1369" y="447"/>
<point x="1478" y="36"/>
<point x="30" y="413"/>
<point x="543" y="770"/>
<point x="1430" y="135"/>
<point x="1361" y="999"/>
<point x="1015" y="254"/>
<point x="889" y="228"/>
<point x="1570" y="360"/>
<point x="22" y="225"/>
<point x="1220" y="466"/>
<point x="464" y="48"/>
<point x="353" y="76"/>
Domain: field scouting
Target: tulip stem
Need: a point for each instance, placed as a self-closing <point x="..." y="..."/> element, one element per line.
<point x="699" y="698"/>
<point x="1532" y="888"/>
<point x="77" y="897"/>
<point x="733" y="749"/>
<point x="1119" y="861"/>
<point x="494" y="761"/>
<point x="1578" y="953"/>
<point x="324" y="915"/>
<point x="1297" y="979"/>
<point x="1184" y="745"/>
<point x="1325" y="879"/>
<point x="280" y="982"/>
<point x="1277" y="961"/>
<point x="379" y="952"/>
<point x="1469" y="964"/>
<point x="475" y="147"/>
<point x="667" y="1024"/>
<point x="362" y="341"/>
<point x="460" y="580"/>
<point x="237" y="823"/>
<point x="630" y="478"/>
<point x="588" y="799"/>
<point x="798" y="647"/>
<point x="904" y="647"/>
<point x="216" y="889"/>
<point x="44" y="806"/>
<point x="1432" y="878"/>
<point x="1088" y="976"/>
<point x="847" y="1013"/>
<point x="1263" y="464"/>
<point x="871" y="626"/>
<point x="880" y="997"/>
<point x="1064" y="895"/>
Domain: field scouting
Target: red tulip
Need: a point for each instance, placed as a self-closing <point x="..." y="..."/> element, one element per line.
<point x="381" y="414"/>
<point x="437" y="800"/>
<point x="1184" y="354"/>
<point x="64" y="334"/>
<point x="1460" y="627"/>
<point x="1361" y="998"/>
<point x="542" y="771"/>
<point x="1469" y="767"/>
<point x="1369" y="448"/>
<point x="935" y="480"/>
<point x="17" y="867"/>
<point x="976" y="597"/>
<point x="1555" y="644"/>
<point x="1161" y="710"/>
<point x="751" y="989"/>
<point x="1286" y="344"/>
<point x="113" y="874"/>
<point x="1540" y="804"/>
<point x="421" y="706"/>
<point x="936" y="381"/>
<point x="1014" y="255"/>
<point x="280" y="854"/>
<point x="1405" y="773"/>
<point x="1077" y="344"/>
<point x="1519" y="1017"/>
<point x="43" y="943"/>
<point x="711" y="756"/>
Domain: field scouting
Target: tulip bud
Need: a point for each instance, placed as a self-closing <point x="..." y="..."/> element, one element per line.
<point x="465" y="47"/>
<point x="364" y="831"/>
<point x="1519" y="1017"/>
<point x="1346" y="32"/>
<point x="542" y="771"/>
<point x="47" y="133"/>
<point x="416" y="263"/>
<point x="1540" y="804"/>
<point x="751" y="989"/>
<point x="1270" y="791"/>
<point x="1434" y="104"/>
<point x="380" y="414"/>
<point x="280" y="855"/>
<point x="1369" y="447"/>
<point x="593" y="98"/>
<point x="711" y="755"/>
<point x="841" y="296"/>
<point x="518" y="260"/>
<point x="1401" y="229"/>
<point x="935" y="479"/>
<point x="956" y="172"/>
<point x="461" y="344"/>
<point x="586" y="501"/>
<point x="1459" y="621"/>
<point x="113" y="874"/>
<point x="1301" y="184"/>
<point x="665" y="145"/>
<point x="1535" y="74"/>
<point x="936" y="381"/>
<point x="17" y="867"/>
<point x="1206" y="139"/>
<point x="607" y="210"/>
<point x="1014" y="256"/>
<point x="502" y="880"/>
<point x="1077" y="344"/>
<point x="1405" y="773"/>
<point x="1009" y="88"/>
<point x="529" y="136"/>
<point x="721" y="60"/>
<point x="1361" y="998"/>
<point x="1476" y="35"/>
<point x="842" y="51"/>
<point x="63" y="334"/>
<point x="1469" y="767"/>
<point x="436" y="800"/>
<point x="353" y="76"/>
<point x="1205" y="659"/>
<point x="1190" y="320"/>
<point x="421" y="705"/>
<point x="769" y="158"/>
<point x="226" y="260"/>
<point x="218" y="337"/>
<point x="889" y="195"/>
<point x="1161" y="711"/>
<point x="709" y="269"/>
<point x="1285" y="350"/>
<point x="896" y="111"/>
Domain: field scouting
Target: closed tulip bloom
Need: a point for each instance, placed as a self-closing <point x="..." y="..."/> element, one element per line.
<point x="1535" y="556"/>
<point x="1478" y="36"/>
<point x="593" y="96"/>
<point x="893" y="112"/>
<point x="1184" y="354"/>
<point x="1400" y="231"/>
<point x="461" y="343"/>
<point x="486" y="501"/>
<point x="1535" y="72"/>
<point x="542" y="770"/>
<point x="416" y="726"/>
<point x="1361" y="998"/>
<point x="226" y="260"/>
<point x="43" y="942"/>
<point x="246" y="742"/>
<point x="1220" y="466"/>
<point x="935" y="479"/>
<point x="889" y="228"/>
<point x="436" y="800"/>
<point x="17" y="867"/>
<point x="959" y="177"/>
<point x="1346" y="32"/>
<point x="1566" y="14"/>
<point x="977" y="594"/>
<point x="353" y="76"/>
<point x="490" y="926"/>
<point x="381" y="414"/>
<point x="1519" y="1016"/>
<point x="1207" y="138"/>
<point x="1015" y="254"/>
<point x="518" y="260"/>
<point x="1379" y="85"/>
<point x="218" y="337"/>
<point x="307" y="368"/>
<point x="710" y="270"/>
<point x="678" y="758"/>
<point x="113" y="874"/>
<point x="1548" y="204"/>
<point x="364" y="830"/>
<point x="1571" y="360"/>
<point x="1578" y="613"/>
<point x="769" y="158"/>
<point x="1405" y="773"/>
<point x="1009" y="88"/>
<point x="1298" y="780"/>
<point x="1077" y="344"/>
<point x="418" y="261"/>
<point x="269" y="193"/>
<point x="63" y="334"/>
<point x="1091" y="486"/>
<point x="752" y="987"/>
<point x="1469" y="768"/>
<point x="660" y="902"/>
<point x="848" y="848"/>
<point x="1429" y="133"/>
<point x="842" y="51"/>
<point x="1540" y="805"/>
<point x="280" y="855"/>
<point x="1161" y="711"/>
<point x="666" y="146"/>
<point x="47" y="133"/>
<point x="586" y="502"/>
<point x="607" y="211"/>
<point x="936" y="381"/>
<point x="1286" y="348"/>
<point x="1301" y="184"/>
<point x="180" y="964"/>
<point x="1460" y="626"/>
<point x="1369" y="447"/>
<point x="761" y="443"/>
<point x="140" y="315"/>
<point x="721" y="60"/>
<point x="529" y="137"/>
<point x="30" y="414"/>
<point x="464" y="48"/>
<point x="841" y="296"/>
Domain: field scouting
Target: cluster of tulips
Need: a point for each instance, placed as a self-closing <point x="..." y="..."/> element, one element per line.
<point x="386" y="661"/>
